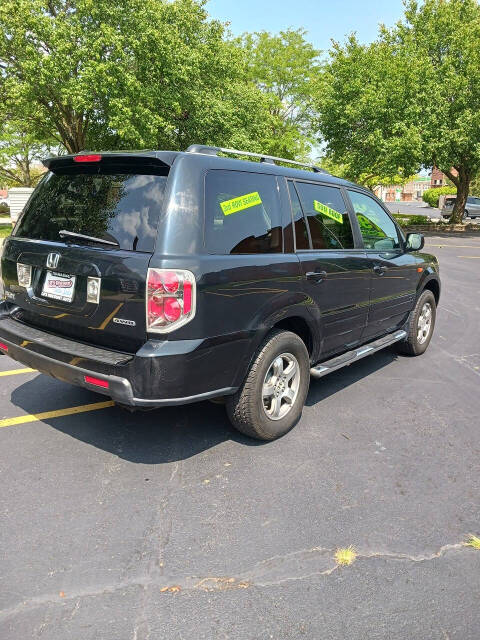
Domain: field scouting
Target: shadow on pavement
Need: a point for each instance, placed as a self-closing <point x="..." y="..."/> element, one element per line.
<point x="163" y="435"/>
<point x="153" y="437"/>
<point x="322" y="388"/>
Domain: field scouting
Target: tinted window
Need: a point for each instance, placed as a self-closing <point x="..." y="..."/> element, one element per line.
<point x="242" y="213"/>
<point x="300" y="226"/>
<point x="327" y="216"/>
<point x="377" y="228"/>
<point x="121" y="207"/>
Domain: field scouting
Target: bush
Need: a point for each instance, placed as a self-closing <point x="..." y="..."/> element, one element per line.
<point x="4" y="209"/>
<point x="432" y="196"/>
<point x="407" y="221"/>
<point x="5" y="230"/>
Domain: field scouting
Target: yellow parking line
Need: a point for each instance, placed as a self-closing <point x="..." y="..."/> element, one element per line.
<point x="14" y="372"/>
<point x="472" y="257"/>
<point x="10" y="422"/>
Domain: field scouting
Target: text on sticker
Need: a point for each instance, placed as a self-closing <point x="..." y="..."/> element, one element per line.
<point x="242" y="202"/>
<point x="326" y="211"/>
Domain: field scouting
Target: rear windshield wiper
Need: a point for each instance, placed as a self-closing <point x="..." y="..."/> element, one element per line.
<point x="71" y="234"/>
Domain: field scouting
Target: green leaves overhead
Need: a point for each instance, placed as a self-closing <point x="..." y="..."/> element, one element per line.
<point x="410" y="98"/>
<point x="286" y="68"/>
<point x="131" y="74"/>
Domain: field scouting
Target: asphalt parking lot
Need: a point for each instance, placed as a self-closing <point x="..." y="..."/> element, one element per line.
<point x="170" y="525"/>
<point x="420" y="209"/>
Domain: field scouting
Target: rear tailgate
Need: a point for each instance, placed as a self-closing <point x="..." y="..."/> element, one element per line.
<point x="117" y="200"/>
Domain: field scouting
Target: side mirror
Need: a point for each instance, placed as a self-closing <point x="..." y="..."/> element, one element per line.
<point x="415" y="242"/>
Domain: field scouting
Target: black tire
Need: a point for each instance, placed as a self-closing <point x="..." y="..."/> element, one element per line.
<point x="412" y="345"/>
<point x="466" y="214"/>
<point x="247" y="409"/>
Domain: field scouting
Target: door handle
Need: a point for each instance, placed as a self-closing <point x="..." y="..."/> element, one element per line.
<point x="379" y="269"/>
<point x="316" y="276"/>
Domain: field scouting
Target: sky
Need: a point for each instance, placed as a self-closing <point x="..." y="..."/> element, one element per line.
<point x="323" y="19"/>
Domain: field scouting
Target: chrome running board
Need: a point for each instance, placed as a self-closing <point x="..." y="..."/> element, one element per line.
<point x="322" y="368"/>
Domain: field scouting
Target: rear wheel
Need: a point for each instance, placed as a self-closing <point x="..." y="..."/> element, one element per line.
<point x="420" y="326"/>
<point x="270" y="401"/>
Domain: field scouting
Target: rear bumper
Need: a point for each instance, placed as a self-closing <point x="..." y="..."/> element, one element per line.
<point x="162" y="373"/>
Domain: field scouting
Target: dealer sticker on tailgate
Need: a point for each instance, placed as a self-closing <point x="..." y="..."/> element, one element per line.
<point x="59" y="286"/>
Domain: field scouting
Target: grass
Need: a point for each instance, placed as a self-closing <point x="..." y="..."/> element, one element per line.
<point x="473" y="541"/>
<point x="345" y="557"/>
<point x="5" y="230"/>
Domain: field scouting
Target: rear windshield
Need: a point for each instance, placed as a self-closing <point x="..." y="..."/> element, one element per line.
<point x="120" y="205"/>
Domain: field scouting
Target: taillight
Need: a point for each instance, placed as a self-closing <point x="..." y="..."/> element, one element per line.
<point x="88" y="157"/>
<point x="3" y="346"/>
<point x="24" y="274"/>
<point x="170" y="299"/>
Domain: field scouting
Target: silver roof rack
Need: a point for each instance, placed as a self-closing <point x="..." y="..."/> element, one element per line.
<point x="214" y="151"/>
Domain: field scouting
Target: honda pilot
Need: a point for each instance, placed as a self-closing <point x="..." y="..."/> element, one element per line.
<point x="163" y="278"/>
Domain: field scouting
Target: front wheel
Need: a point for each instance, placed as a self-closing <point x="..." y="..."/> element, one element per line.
<point x="420" y="326"/>
<point x="270" y="401"/>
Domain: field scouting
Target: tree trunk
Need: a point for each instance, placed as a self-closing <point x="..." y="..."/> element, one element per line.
<point x="462" y="182"/>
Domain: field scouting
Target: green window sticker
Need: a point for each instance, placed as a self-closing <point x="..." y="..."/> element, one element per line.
<point x="326" y="211"/>
<point x="239" y="204"/>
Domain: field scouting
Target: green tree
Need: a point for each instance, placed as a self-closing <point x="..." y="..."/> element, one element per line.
<point x="285" y="67"/>
<point x="20" y="156"/>
<point x="366" y="179"/>
<point x="126" y="74"/>
<point x="409" y="99"/>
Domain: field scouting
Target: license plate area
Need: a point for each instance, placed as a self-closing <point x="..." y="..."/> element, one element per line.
<point x="59" y="286"/>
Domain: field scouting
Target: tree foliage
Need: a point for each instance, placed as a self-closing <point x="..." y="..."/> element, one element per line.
<point x="20" y="155"/>
<point x="286" y="68"/>
<point x="126" y="74"/>
<point x="409" y="99"/>
<point x="367" y="179"/>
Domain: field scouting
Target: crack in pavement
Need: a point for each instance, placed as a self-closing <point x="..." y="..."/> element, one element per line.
<point x="299" y="565"/>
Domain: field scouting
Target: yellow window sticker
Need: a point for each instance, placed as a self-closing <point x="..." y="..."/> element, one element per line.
<point x="242" y="202"/>
<point x="326" y="211"/>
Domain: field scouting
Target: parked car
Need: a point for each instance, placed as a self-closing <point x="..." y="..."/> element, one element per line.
<point x="472" y="207"/>
<point x="165" y="278"/>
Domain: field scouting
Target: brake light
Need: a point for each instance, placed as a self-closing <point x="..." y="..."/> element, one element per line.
<point x="97" y="382"/>
<point x="88" y="157"/>
<point x="3" y="346"/>
<point x="24" y="274"/>
<point x="170" y="299"/>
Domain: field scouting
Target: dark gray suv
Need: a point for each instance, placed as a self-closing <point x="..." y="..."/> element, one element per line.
<point x="162" y="278"/>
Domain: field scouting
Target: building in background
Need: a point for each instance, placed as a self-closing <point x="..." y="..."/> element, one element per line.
<point x="18" y="197"/>
<point x="410" y="192"/>
<point x="439" y="179"/>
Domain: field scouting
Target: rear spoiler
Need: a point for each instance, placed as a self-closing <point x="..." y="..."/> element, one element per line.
<point x="158" y="158"/>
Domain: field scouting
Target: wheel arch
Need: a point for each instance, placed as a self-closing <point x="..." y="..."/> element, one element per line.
<point x="298" y="321"/>
<point x="433" y="285"/>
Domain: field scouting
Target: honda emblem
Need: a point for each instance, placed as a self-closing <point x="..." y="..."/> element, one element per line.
<point x="52" y="260"/>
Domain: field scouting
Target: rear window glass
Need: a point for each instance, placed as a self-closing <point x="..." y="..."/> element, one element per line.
<point x="119" y="205"/>
<point x="242" y="213"/>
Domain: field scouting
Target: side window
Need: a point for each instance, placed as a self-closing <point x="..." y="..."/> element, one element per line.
<point x="242" y="213"/>
<point x="327" y="216"/>
<point x="377" y="229"/>
<point x="300" y="226"/>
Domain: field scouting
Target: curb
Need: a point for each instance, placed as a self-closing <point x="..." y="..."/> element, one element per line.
<point x="441" y="229"/>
